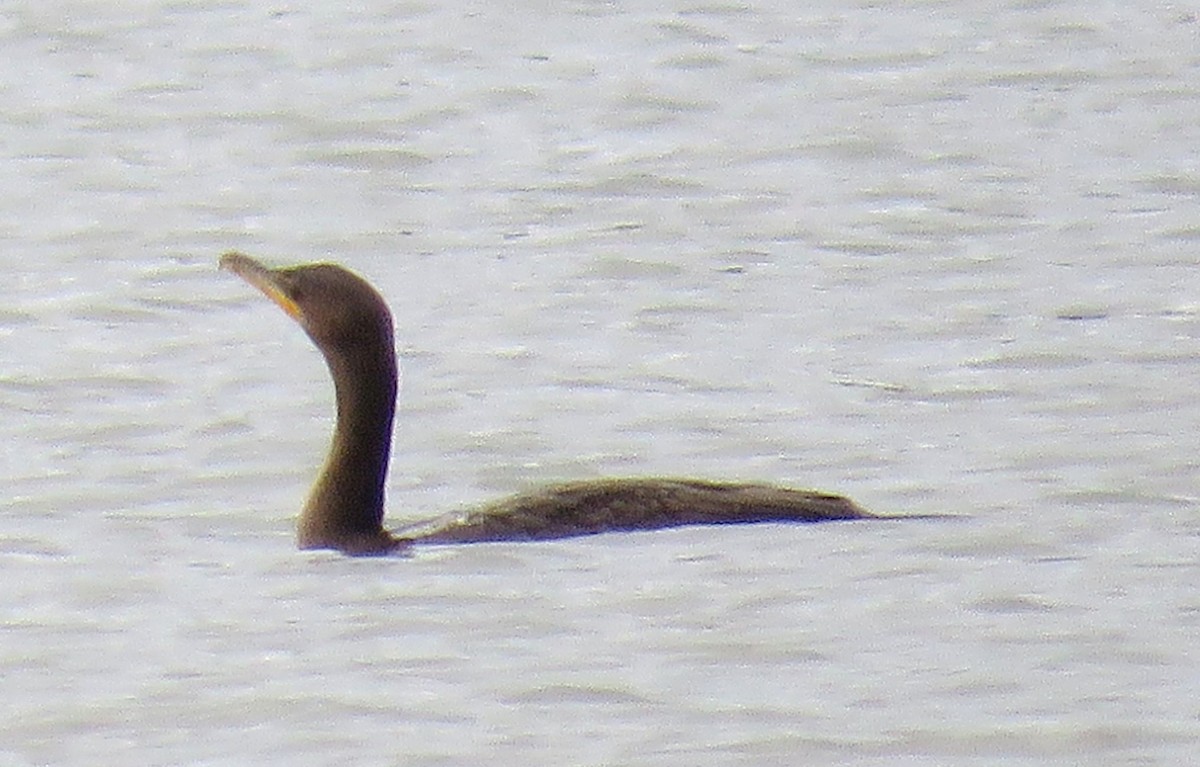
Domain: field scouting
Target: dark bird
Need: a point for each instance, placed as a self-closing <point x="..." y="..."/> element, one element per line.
<point x="350" y="323"/>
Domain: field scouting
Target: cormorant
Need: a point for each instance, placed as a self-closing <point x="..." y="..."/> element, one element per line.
<point x="350" y="323"/>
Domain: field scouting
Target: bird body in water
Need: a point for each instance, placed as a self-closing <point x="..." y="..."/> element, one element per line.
<point x="352" y="327"/>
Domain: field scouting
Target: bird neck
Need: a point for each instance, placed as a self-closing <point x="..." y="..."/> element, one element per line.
<point x="345" y="507"/>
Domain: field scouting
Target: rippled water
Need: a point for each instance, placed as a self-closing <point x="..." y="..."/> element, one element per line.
<point x="937" y="256"/>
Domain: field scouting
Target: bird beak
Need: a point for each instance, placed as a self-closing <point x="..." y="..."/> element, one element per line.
<point x="263" y="278"/>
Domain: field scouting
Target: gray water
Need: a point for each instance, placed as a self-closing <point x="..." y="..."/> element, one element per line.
<point x="940" y="257"/>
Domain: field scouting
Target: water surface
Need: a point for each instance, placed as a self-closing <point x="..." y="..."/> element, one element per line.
<point x="939" y="257"/>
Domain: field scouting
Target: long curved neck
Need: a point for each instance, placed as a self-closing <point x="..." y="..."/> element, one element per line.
<point x="345" y="508"/>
